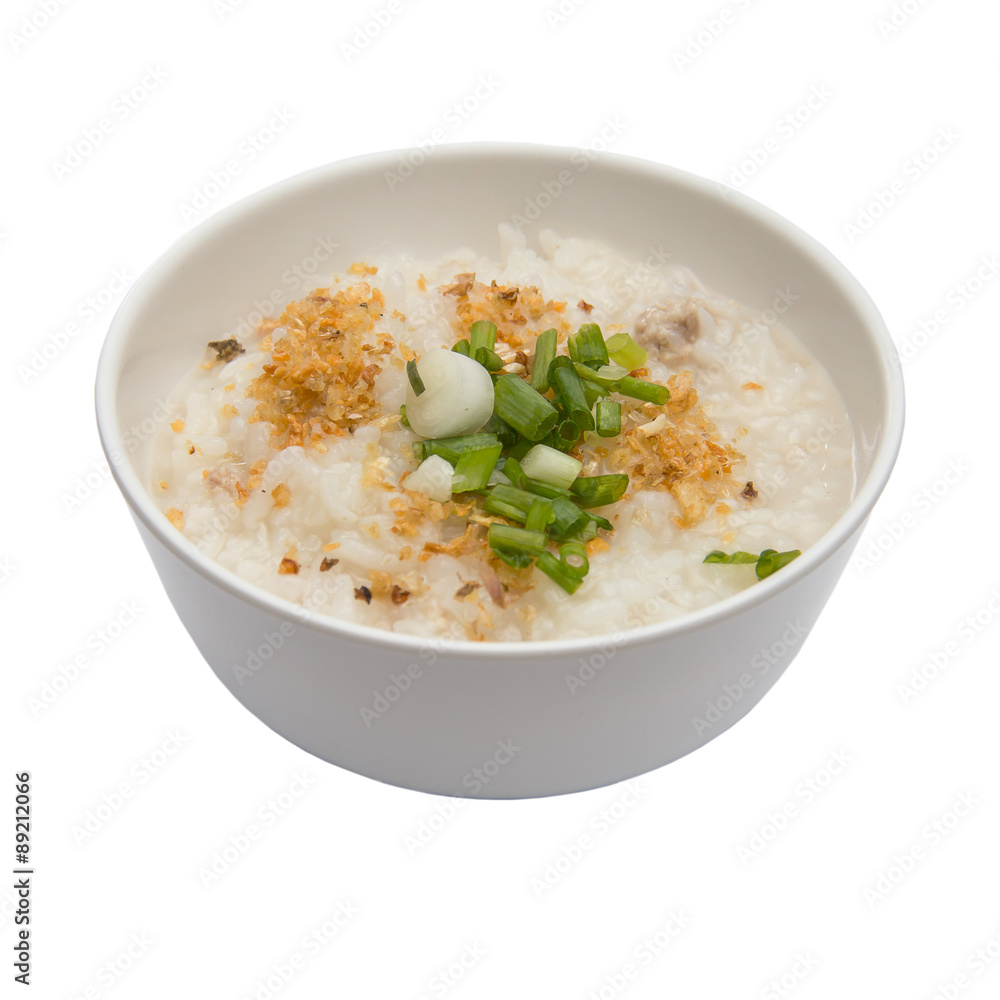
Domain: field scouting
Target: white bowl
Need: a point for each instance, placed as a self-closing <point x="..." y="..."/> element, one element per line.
<point x="492" y="720"/>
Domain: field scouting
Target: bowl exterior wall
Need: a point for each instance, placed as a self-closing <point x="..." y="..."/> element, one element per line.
<point x="438" y="721"/>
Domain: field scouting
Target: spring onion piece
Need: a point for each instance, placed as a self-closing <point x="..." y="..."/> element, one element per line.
<point x="730" y="559"/>
<point x="513" y="471"/>
<point x="402" y="416"/>
<point x="416" y="382"/>
<point x="508" y="538"/>
<point x="567" y="518"/>
<point x="609" y="417"/>
<point x="509" y="502"/>
<point x="551" y="466"/>
<point x="607" y="376"/>
<point x="648" y="392"/>
<point x="482" y="334"/>
<point x="569" y="569"/>
<point x="545" y="351"/>
<point x="451" y="449"/>
<point x="770" y="560"/>
<point x="526" y="410"/>
<point x="594" y="392"/>
<point x="767" y="562"/>
<point x="457" y="396"/>
<point x="624" y="351"/>
<point x="433" y="476"/>
<point x="587" y="347"/>
<point x="490" y="360"/>
<point x="461" y="347"/>
<point x="598" y="491"/>
<point x="539" y="515"/>
<point x="506" y="434"/>
<point x="474" y="467"/>
<point x="569" y="391"/>
<point x="601" y="522"/>
<point x="587" y="532"/>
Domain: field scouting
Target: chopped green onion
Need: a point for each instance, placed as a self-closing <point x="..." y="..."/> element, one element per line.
<point x="551" y="466"/>
<point x="526" y="410"/>
<point x="770" y="561"/>
<point x="490" y="360"/>
<point x="402" y="416"/>
<point x="730" y="559"/>
<point x="520" y="541"/>
<point x="598" y="491"/>
<point x="481" y="334"/>
<point x="594" y="392"/>
<point x="587" y="347"/>
<point x="569" y="569"/>
<point x="601" y="522"/>
<point x="567" y="518"/>
<point x="587" y="532"/>
<point x="519" y="450"/>
<point x="509" y="502"/>
<point x="767" y="562"/>
<point x="607" y="376"/>
<point x="609" y="417"/>
<point x="539" y="515"/>
<point x="416" y="382"/>
<point x="506" y="434"/>
<point x="648" y="392"/>
<point x="473" y="469"/>
<point x="545" y="351"/>
<point x="569" y="391"/>
<point x="452" y="448"/>
<point x="461" y="347"/>
<point x="624" y="351"/>
<point x="513" y="471"/>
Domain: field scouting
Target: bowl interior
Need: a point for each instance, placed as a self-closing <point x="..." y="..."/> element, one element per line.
<point x="242" y="261"/>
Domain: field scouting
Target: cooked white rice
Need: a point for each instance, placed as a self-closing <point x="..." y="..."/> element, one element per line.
<point x="750" y="373"/>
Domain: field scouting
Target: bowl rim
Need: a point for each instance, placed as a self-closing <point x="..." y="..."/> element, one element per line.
<point x="851" y="519"/>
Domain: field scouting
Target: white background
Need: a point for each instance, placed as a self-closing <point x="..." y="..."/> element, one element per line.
<point x="821" y="908"/>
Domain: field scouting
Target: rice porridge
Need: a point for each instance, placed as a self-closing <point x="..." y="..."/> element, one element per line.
<point x="555" y="444"/>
